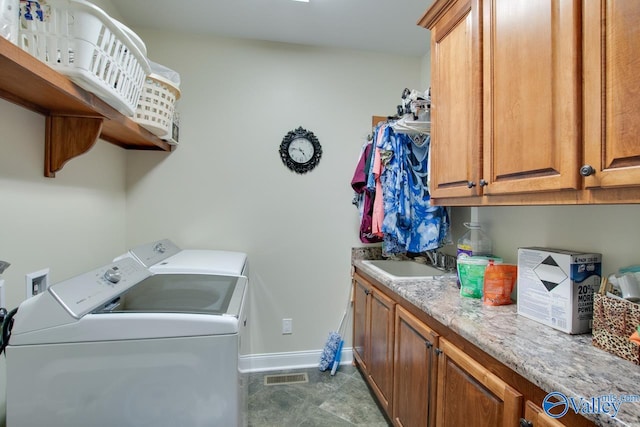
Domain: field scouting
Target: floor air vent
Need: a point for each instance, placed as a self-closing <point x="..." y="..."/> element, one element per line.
<point x="279" y="379"/>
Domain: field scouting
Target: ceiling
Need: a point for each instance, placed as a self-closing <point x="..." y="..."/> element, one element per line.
<point x="378" y="25"/>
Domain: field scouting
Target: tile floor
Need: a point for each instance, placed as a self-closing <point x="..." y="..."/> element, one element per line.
<point x="342" y="400"/>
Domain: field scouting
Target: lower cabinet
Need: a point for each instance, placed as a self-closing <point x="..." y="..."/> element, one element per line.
<point x="534" y="416"/>
<point x="424" y="374"/>
<point x="361" y="291"/>
<point x="381" y="348"/>
<point x="467" y="392"/>
<point x="414" y="371"/>
<point x="373" y="328"/>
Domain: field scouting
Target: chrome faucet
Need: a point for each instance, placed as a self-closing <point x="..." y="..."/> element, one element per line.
<point x="441" y="260"/>
<point x="432" y="255"/>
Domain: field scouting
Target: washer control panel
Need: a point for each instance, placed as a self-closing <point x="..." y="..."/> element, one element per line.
<point x="84" y="293"/>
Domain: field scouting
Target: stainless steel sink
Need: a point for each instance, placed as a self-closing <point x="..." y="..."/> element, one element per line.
<point x="405" y="269"/>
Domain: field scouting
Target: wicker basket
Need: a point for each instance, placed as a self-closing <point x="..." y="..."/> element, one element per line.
<point x="614" y="320"/>
<point x="82" y="42"/>
<point x="156" y="106"/>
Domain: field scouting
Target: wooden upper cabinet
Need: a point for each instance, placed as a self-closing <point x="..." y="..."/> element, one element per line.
<point x="535" y="102"/>
<point x="611" y="40"/>
<point x="531" y="134"/>
<point x="456" y="91"/>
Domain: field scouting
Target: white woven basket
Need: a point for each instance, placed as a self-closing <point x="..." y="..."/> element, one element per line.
<point x="82" y="42"/>
<point x="157" y="105"/>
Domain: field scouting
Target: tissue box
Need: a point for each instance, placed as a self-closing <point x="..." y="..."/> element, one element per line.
<point x="556" y="287"/>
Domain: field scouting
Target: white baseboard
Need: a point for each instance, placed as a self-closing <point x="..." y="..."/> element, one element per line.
<point x="288" y="360"/>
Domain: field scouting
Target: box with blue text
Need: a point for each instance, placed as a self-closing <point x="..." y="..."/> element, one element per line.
<point x="555" y="287"/>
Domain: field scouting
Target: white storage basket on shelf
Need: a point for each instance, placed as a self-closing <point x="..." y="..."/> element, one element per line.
<point x="156" y="107"/>
<point x="82" y="42"/>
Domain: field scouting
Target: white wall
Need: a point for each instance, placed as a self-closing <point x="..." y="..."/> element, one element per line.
<point x="226" y="187"/>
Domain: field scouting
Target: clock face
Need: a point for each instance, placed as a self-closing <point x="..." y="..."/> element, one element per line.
<point x="300" y="150"/>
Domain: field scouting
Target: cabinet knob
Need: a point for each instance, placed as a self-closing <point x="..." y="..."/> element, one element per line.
<point x="428" y="344"/>
<point x="471" y="184"/>
<point x="483" y="183"/>
<point x="438" y="351"/>
<point x="587" y="170"/>
<point x="525" y="423"/>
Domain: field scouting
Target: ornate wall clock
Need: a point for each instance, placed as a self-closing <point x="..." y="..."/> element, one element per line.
<point x="300" y="150"/>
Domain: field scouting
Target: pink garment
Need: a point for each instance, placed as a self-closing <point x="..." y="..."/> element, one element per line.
<point x="359" y="185"/>
<point x="378" y="203"/>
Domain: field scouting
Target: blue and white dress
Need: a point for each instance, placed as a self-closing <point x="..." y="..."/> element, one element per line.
<point x="410" y="223"/>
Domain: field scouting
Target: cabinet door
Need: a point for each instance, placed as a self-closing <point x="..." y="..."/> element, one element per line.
<point x="360" y="313"/>
<point x="414" y="370"/>
<point x="456" y="99"/>
<point x="469" y="393"/>
<point x="380" y="361"/>
<point x="534" y="416"/>
<point x="612" y="92"/>
<point x="531" y="133"/>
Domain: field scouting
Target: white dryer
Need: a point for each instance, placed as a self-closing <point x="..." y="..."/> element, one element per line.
<point x="119" y="346"/>
<point x="164" y="256"/>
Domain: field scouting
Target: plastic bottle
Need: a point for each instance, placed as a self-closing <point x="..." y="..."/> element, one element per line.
<point x="473" y="243"/>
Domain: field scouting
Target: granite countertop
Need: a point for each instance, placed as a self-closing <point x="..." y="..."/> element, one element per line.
<point x="553" y="360"/>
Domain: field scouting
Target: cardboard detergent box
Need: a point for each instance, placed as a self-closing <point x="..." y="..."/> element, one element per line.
<point x="555" y="287"/>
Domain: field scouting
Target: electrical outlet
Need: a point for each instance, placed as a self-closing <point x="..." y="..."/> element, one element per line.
<point x="287" y="326"/>
<point x="36" y="282"/>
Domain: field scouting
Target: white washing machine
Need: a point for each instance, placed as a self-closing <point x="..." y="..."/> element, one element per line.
<point x="120" y="346"/>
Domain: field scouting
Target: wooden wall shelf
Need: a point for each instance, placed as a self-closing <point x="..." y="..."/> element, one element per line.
<point x="75" y="118"/>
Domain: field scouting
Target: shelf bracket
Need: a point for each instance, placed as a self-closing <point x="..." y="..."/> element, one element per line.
<point x="67" y="137"/>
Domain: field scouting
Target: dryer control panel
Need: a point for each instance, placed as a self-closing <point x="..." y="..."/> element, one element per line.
<point x="152" y="253"/>
<point x="84" y="293"/>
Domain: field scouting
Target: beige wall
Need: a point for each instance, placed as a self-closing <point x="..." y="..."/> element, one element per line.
<point x="69" y="224"/>
<point x="226" y="187"/>
<point x="425" y="73"/>
<point x="611" y="230"/>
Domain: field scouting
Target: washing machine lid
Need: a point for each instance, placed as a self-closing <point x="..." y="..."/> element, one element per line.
<point x="181" y="293"/>
<point x="203" y="261"/>
<point x="164" y="306"/>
